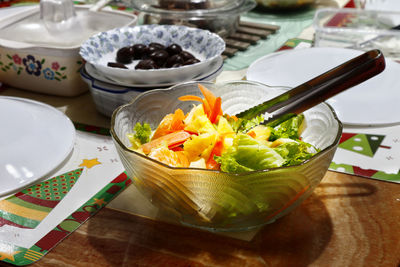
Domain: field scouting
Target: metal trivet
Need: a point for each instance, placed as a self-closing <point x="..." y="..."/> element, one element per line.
<point x="247" y="34"/>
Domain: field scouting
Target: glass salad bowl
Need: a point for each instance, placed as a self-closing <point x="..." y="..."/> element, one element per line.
<point x="215" y="200"/>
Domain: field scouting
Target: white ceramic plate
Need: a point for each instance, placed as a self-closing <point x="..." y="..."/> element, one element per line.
<point x="374" y="102"/>
<point x="215" y="66"/>
<point x="35" y="139"/>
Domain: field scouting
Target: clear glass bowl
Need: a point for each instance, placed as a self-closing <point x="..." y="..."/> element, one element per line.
<point x="284" y="4"/>
<point x="212" y="199"/>
<point x="219" y="16"/>
<point x="188" y="7"/>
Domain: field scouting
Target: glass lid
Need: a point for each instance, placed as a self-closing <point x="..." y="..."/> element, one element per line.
<point x="188" y="7"/>
<point x="28" y="28"/>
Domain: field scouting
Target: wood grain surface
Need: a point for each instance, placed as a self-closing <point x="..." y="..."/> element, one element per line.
<point x="348" y="221"/>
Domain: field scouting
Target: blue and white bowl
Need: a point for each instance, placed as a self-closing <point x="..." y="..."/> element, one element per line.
<point x="108" y="96"/>
<point x="102" y="48"/>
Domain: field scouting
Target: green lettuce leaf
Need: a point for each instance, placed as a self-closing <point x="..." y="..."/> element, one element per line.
<point x="288" y="129"/>
<point x="295" y="152"/>
<point x="242" y="126"/>
<point x="247" y="154"/>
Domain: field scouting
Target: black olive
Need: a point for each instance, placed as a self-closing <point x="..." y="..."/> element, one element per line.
<point x="174" y="49"/>
<point x="173" y="60"/>
<point x="159" y="57"/>
<point x="116" y="65"/>
<point x="191" y="61"/>
<point x="140" y="51"/>
<point x="157" y="46"/>
<point x="124" y="55"/>
<point x="152" y="49"/>
<point x="186" y="55"/>
<point x="146" y="64"/>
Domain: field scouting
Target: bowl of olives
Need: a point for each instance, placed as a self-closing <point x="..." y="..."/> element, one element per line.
<point x="153" y="54"/>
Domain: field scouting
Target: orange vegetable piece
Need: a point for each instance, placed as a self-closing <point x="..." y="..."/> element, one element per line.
<point x="216" y="110"/>
<point x="210" y="97"/>
<point x="216" y="151"/>
<point x="206" y="107"/>
<point x="169" y="157"/>
<point x="171" y="140"/>
<point x="252" y="134"/>
<point x="190" y="98"/>
<point x="170" y="123"/>
<point x="211" y="103"/>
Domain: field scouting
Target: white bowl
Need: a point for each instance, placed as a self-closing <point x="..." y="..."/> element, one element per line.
<point x="102" y="48"/>
<point x="108" y="97"/>
<point x="31" y="58"/>
<point x="215" y="66"/>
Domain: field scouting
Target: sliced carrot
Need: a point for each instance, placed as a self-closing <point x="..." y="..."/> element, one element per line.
<point x="216" y="151"/>
<point x="252" y="134"/>
<point x="210" y="97"/>
<point x="177" y="148"/>
<point x="216" y="110"/>
<point x="206" y="107"/>
<point x="190" y="98"/>
<point x="171" y="140"/>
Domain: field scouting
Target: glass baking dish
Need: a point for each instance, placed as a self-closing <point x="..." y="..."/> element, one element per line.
<point x="219" y="16"/>
<point x="358" y="29"/>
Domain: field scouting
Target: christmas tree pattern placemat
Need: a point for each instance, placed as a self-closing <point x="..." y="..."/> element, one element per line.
<point x="372" y="152"/>
<point x="28" y="208"/>
<point x="37" y="218"/>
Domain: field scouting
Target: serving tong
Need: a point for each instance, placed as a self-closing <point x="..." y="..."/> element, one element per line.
<point x="320" y="88"/>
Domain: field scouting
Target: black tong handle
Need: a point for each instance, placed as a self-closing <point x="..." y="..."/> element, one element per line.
<point x="320" y="88"/>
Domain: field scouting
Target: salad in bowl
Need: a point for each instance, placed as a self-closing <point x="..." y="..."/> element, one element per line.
<point x="193" y="159"/>
<point x="207" y="138"/>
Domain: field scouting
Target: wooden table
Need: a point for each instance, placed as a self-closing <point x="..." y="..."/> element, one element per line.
<point x="348" y="221"/>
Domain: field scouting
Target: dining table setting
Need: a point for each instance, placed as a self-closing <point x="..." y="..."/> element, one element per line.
<point x="200" y="133"/>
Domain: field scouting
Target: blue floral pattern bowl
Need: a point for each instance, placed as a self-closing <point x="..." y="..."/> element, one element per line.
<point x="102" y="48"/>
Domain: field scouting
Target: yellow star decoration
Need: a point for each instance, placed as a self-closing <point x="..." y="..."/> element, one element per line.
<point x="89" y="163"/>
<point x="99" y="202"/>
<point x="8" y="255"/>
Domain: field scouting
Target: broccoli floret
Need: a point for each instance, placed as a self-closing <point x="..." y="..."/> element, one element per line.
<point x="142" y="132"/>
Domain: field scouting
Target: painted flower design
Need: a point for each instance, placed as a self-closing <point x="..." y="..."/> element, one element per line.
<point x="55" y="65"/>
<point x="17" y="59"/>
<point x="32" y="66"/>
<point x="48" y="74"/>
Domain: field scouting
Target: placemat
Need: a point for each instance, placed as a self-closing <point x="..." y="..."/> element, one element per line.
<point x="36" y="219"/>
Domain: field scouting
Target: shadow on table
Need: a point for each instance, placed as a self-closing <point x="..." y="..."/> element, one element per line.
<point x="297" y="239"/>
